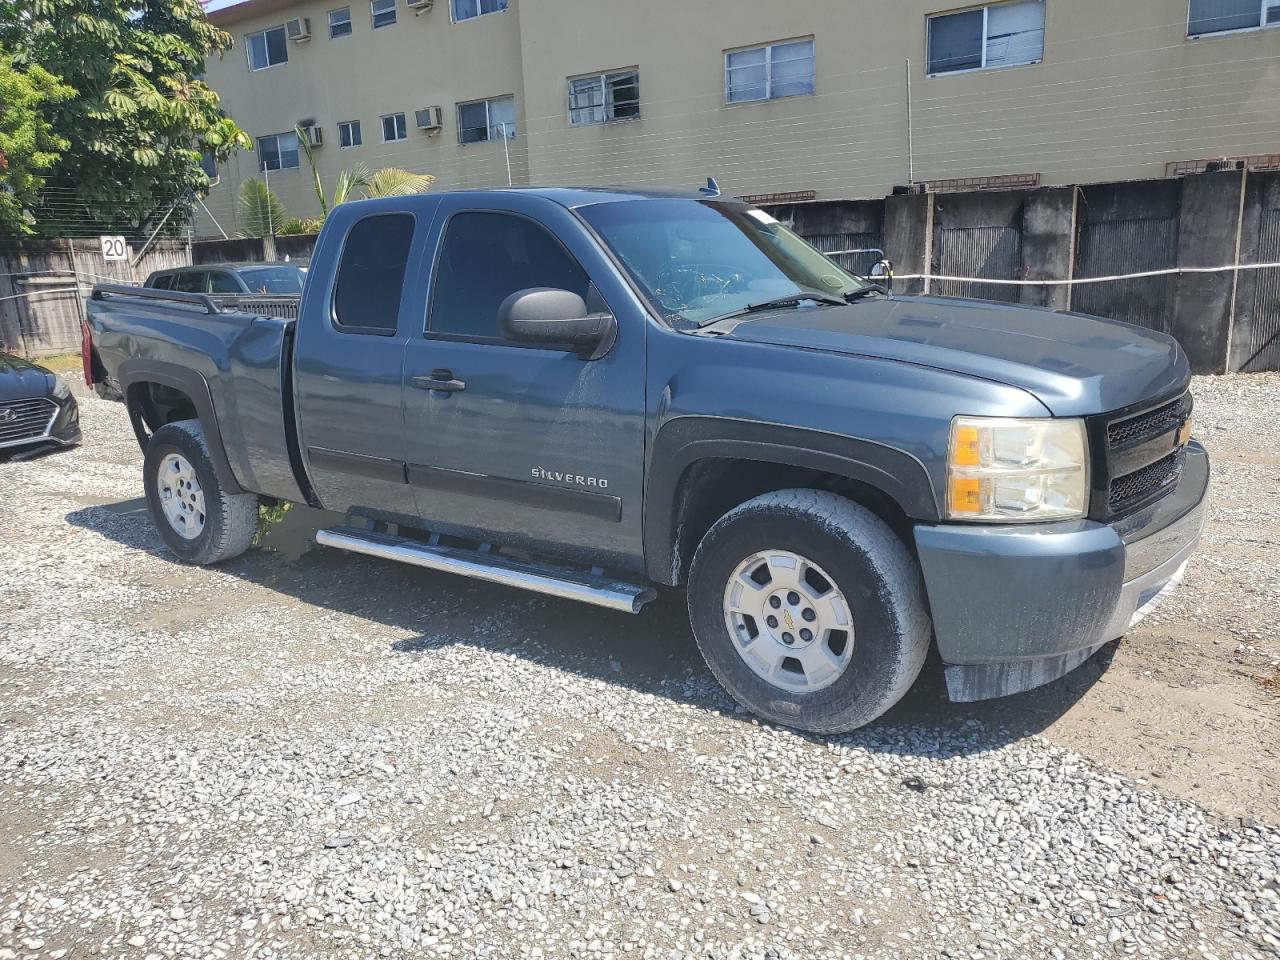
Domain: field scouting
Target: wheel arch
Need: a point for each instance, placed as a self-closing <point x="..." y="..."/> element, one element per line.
<point x="701" y="468"/>
<point x="158" y="393"/>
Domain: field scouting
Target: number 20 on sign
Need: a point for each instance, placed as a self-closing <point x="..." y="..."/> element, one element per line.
<point x="114" y="248"/>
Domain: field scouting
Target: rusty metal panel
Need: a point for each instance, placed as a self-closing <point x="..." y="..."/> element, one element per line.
<point x="991" y="252"/>
<point x="1111" y="247"/>
<point x="858" y="264"/>
<point x="1264" y="333"/>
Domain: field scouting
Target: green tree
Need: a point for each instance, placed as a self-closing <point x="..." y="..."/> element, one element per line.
<point x="140" y="117"/>
<point x="261" y="211"/>
<point x="387" y="182"/>
<point x="28" y="145"/>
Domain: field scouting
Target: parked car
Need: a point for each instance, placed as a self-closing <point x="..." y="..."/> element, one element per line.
<point x="590" y="393"/>
<point x="233" y="279"/>
<point x="36" y="407"/>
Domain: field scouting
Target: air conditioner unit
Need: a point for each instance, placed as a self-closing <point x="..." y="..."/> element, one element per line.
<point x="298" y="29"/>
<point x="315" y="136"/>
<point x="430" y="119"/>
<point x="419" y="6"/>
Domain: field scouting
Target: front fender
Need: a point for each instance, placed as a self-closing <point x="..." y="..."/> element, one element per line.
<point x="684" y="441"/>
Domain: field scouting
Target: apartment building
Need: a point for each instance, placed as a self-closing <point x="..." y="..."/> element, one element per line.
<point x="815" y="98"/>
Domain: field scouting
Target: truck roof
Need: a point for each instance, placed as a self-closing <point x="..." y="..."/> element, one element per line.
<point x="586" y="196"/>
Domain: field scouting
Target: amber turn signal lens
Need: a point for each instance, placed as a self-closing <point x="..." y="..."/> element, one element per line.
<point x="966" y="451"/>
<point x="966" y="495"/>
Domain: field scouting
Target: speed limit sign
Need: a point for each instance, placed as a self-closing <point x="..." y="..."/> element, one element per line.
<point x="114" y="248"/>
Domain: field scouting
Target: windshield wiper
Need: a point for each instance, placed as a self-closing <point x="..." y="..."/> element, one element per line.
<point x="855" y="295"/>
<point x="777" y="303"/>
<point x="793" y="300"/>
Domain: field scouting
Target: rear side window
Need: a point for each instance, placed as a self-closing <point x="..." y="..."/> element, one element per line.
<point x="163" y="283"/>
<point x="371" y="274"/>
<point x="485" y="258"/>
<point x="223" y="283"/>
<point x="189" y="282"/>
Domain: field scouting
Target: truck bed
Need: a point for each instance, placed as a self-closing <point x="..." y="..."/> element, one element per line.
<point x="239" y="363"/>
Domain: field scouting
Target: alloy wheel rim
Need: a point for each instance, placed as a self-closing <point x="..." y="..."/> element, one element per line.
<point x="788" y="620"/>
<point x="181" y="497"/>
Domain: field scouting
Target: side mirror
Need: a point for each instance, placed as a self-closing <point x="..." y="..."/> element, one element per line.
<point x="882" y="272"/>
<point x="554" y="317"/>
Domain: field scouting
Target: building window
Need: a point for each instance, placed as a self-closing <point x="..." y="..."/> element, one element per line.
<point x="349" y="133"/>
<point x="393" y="128"/>
<point x="769" y="72"/>
<point x="487" y="120"/>
<point x="999" y="35"/>
<point x="278" y="151"/>
<point x="384" y="12"/>
<point x="1220" y="16"/>
<point x="339" y="23"/>
<point x="470" y="9"/>
<point x="604" y="97"/>
<point x="267" y="49"/>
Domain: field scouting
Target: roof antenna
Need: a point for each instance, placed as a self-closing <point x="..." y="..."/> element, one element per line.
<point x="712" y="189"/>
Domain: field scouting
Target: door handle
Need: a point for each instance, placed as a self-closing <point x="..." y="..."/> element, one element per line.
<point x="439" y="380"/>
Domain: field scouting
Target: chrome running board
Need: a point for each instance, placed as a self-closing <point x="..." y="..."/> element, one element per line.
<point x="589" y="587"/>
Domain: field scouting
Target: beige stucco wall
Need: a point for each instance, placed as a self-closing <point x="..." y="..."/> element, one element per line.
<point x="417" y="62"/>
<point x="1120" y="91"/>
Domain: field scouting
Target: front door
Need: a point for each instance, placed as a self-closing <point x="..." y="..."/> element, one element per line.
<point x="526" y="445"/>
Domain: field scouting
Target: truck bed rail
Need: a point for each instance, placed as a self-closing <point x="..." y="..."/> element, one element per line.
<point x="103" y="290"/>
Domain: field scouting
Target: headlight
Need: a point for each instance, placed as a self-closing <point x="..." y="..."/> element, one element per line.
<point x="60" y="389"/>
<point x="1012" y="470"/>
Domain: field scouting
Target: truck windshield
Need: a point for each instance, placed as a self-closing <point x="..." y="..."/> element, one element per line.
<point x="279" y="280"/>
<point x="699" y="260"/>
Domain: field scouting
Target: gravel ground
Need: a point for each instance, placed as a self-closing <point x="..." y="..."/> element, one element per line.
<point x="303" y="754"/>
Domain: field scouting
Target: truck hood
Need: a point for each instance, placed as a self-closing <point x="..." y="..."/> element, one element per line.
<point x="20" y="379"/>
<point x="1074" y="364"/>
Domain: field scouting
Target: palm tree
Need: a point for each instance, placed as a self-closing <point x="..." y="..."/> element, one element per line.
<point x="396" y="182"/>
<point x="261" y="211"/>
<point x="388" y="182"/>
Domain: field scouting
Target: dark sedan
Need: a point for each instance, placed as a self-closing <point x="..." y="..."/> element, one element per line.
<point x="36" y="407"/>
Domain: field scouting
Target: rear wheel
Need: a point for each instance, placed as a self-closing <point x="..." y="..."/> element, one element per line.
<point x="197" y="519"/>
<point x="809" y="610"/>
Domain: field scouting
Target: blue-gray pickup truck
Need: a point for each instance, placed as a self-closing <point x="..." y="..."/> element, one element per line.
<point x="591" y="393"/>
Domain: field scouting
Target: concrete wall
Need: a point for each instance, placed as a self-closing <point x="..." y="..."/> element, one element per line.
<point x="1121" y="91"/>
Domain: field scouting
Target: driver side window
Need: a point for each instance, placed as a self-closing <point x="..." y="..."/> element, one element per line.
<point x="484" y="258"/>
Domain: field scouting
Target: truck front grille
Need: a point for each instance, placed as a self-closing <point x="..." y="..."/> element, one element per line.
<point x="25" y="420"/>
<point x="1153" y="423"/>
<point x="1137" y="459"/>
<point x="1145" y="484"/>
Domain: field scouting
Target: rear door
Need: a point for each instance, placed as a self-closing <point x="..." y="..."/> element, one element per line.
<point x="529" y="446"/>
<point x="349" y="356"/>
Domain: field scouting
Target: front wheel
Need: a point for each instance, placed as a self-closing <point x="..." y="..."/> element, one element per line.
<point x="809" y="610"/>
<point x="197" y="519"/>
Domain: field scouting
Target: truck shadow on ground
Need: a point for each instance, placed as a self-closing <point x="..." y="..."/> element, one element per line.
<point x="653" y="652"/>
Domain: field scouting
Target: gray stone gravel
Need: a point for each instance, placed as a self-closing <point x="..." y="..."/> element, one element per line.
<point x="293" y="757"/>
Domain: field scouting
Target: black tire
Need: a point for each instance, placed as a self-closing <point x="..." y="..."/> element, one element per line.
<point x="229" y="519"/>
<point x="871" y="567"/>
